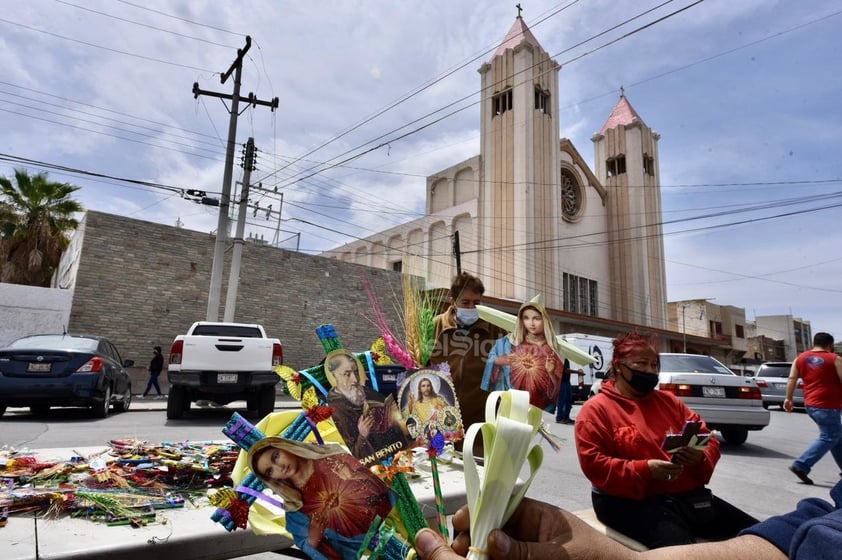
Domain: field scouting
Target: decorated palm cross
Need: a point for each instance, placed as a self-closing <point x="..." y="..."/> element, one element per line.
<point x="310" y="387"/>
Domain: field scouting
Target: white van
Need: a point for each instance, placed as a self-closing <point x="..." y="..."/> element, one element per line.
<point x="602" y="349"/>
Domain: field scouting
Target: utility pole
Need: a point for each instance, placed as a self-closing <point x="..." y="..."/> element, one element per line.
<point x="237" y="255"/>
<point x="457" y="252"/>
<point x="236" y="68"/>
<point x="277" y="238"/>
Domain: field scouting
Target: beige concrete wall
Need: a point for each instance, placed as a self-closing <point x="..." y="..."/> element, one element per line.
<point x="27" y="310"/>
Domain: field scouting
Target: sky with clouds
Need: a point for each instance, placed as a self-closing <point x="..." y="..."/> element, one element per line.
<point x="374" y="96"/>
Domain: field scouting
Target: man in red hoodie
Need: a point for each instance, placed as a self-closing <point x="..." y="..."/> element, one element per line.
<point x="821" y="370"/>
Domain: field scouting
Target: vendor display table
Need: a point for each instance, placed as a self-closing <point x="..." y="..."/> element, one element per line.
<point x="180" y="534"/>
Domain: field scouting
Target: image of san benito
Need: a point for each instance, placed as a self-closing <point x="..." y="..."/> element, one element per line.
<point x="370" y="423"/>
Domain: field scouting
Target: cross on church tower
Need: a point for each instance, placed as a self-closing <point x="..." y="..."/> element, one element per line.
<point x="519" y="9"/>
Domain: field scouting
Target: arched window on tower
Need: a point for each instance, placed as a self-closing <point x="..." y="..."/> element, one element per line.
<point x="616" y="165"/>
<point x="649" y="165"/>
<point x="501" y="102"/>
<point x="542" y="100"/>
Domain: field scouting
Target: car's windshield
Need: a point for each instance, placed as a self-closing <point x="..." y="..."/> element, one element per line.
<point x="774" y="371"/>
<point x="691" y="363"/>
<point x="56" y="342"/>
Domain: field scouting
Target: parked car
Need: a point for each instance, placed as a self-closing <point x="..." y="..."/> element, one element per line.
<point x="223" y="362"/>
<point x="726" y="401"/>
<point x="47" y="370"/>
<point x="771" y="378"/>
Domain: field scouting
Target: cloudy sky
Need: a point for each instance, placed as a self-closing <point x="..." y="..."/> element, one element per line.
<point x="376" y="95"/>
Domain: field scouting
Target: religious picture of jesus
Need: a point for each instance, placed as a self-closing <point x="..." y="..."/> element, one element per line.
<point x="428" y="402"/>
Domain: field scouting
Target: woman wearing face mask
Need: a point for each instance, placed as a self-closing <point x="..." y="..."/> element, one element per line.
<point x="640" y="490"/>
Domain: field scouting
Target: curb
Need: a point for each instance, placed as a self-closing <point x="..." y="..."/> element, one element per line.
<point x="151" y="403"/>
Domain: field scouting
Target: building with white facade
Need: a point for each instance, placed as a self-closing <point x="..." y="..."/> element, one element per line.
<point x="530" y="215"/>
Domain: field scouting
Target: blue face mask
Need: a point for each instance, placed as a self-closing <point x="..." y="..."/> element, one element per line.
<point x="467" y="316"/>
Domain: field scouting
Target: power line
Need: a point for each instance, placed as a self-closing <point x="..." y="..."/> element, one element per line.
<point x="118" y="51"/>
<point x="329" y="165"/>
<point x="409" y="95"/>
<point x="100" y="108"/>
<point x="190" y="21"/>
<point x="147" y="26"/>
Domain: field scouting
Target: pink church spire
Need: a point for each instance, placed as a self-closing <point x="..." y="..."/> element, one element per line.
<point x="517" y="34"/>
<point x="623" y="114"/>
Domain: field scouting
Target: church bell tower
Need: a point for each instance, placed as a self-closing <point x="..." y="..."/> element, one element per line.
<point x="626" y="163"/>
<point x="520" y="170"/>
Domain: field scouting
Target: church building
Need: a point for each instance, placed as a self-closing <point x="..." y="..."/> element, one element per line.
<point x="528" y="215"/>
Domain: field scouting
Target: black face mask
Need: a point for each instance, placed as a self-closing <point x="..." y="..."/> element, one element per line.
<point x="642" y="382"/>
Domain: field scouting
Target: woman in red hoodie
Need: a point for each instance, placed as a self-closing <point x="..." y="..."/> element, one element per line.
<point x="639" y="489"/>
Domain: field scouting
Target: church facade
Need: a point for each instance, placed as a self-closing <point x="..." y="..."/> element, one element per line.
<point x="528" y="215"/>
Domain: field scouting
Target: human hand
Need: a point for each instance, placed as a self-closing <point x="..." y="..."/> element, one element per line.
<point x="364" y="425"/>
<point x="788" y="405"/>
<point x="504" y="360"/>
<point x="537" y="531"/>
<point x="664" y="470"/>
<point x="688" y="456"/>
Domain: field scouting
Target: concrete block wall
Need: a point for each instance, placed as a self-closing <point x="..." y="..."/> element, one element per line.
<point x="142" y="283"/>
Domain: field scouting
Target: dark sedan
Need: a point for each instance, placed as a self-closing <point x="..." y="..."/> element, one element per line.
<point x="47" y="370"/>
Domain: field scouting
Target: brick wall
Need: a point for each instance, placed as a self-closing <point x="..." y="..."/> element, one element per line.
<point x="141" y="284"/>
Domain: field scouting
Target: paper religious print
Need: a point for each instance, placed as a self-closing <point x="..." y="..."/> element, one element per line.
<point x="369" y="422"/>
<point x="428" y="403"/>
<point x="331" y="500"/>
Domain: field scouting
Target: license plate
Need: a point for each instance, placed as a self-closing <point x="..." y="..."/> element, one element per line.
<point x="226" y="377"/>
<point x="718" y="392"/>
<point x="38" y="366"/>
<point x="780" y="385"/>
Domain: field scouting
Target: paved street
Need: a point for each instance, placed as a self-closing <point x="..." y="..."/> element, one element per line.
<point x="753" y="476"/>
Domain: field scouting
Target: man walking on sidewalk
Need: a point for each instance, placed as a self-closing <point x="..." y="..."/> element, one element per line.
<point x="155" y="367"/>
<point x="821" y="371"/>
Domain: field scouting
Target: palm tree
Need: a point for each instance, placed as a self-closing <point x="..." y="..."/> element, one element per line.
<point x="35" y="216"/>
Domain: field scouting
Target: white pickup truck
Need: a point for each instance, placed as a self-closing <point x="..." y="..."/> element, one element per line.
<point x="223" y="362"/>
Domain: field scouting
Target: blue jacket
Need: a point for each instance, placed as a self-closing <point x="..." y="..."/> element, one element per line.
<point x="812" y="532"/>
<point x="503" y="382"/>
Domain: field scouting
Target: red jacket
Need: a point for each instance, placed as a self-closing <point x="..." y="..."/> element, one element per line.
<point x="616" y="436"/>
